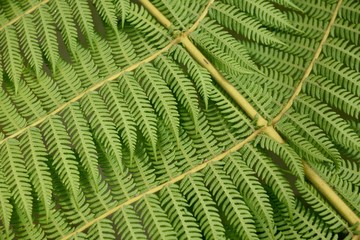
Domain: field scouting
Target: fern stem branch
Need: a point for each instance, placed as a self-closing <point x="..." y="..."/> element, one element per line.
<point x="311" y="175"/>
<point x="308" y="70"/>
<point x="93" y="88"/>
<point x="230" y="89"/>
<point x="156" y="13"/>
<point x="30" y="10"/>
<point x="332" y="197"/>
<point x="165" y="184"/>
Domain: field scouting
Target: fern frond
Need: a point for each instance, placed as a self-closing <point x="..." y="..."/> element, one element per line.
<point x="350" y="11"/>
<point x="154" y="218"/>
<point x="102" y="230"/>
<point x="10" y="51"/>
<point x="67" y="80"/>
<point x="101" y="54"/>
<point x="280" y="61"/>
<point x="233" y="205"/>
<point x="142" y="21"/>
<point x="29" y="42"/>
<point x="180" y="84"/>
<point x="305" y="224"/>
<point x="335" y="96"/>
<point x="346" y="189"/>
<point x="346" y="30"/>
<point x="349" y="171"/>
<point x="164" y="160"/>
<point x="159" y="94"/>
<point x="305" y="148"/>
<point x="268" y="78"/>
<point x="316" y="9"/>
<point x="203" y="206"/>
<point x="252" y="191"/>
<point x="230" y="112"/>
<point x="76" y="208"/>
<point x="46" y="90"/>
<point x="82" y="14"/>
<point x="339" y="74"/>
<point x="185" y="154"/>
<point x="263" y="100"/>
<point x="197" y="73"/>
<point x="63" y="158"/>
<point x="65" y="22"/>
<point x="222" y="130"/>
<point x="140" y="107"/>
<point x="119" y="180"/>
<point x="227" y="43"/>
<point x="343" y="51"/>
<point x="215" y="54"/>
<point x="320" y="206"/>
<point x="286" y="153"/>
<point x="176" y="206"/>
<point x="121" y="114"/>
<point x="264" y="11"/>
<point x="26" y="230"/>
<point x="309" y="27"/>
<point x="180" y="13"/>
<point x="128" y="224"/>
<point x="267" y="171"/>
<point x="203" y="139"/>
<point x="102" y="125"/>
<point x="54" y="223"/>
<point x="33" y="148"/>
<point x="26" y="102"/>
<point x="111" y="125"/>
<point x="122" y="7"/>
<point x="142" y="171"/>
<point x="46" y="31"/>
<point x="16" y="177"/>
<point x="300" y="46"/>
<point x="98" y="195"/>
<point x="240" y="22"/>
<point x="122" y="48"/>
<point x="82" y="140"/>
<point x="335" y="126"/>
<point x="5" y="206"/>
<point x="107" y="11"/>
<point x="312" y="133"/>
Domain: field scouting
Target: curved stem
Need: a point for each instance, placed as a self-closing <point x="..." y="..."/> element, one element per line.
<point x="311" y="175"/>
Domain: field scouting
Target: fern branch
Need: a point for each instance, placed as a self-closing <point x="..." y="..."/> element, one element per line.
<point x="308" y="70"/>
<point x="324" y="188"/>
<point x="30" y="10"/>
<point x="165" y="184"/>
<point x="93" y="88"/>
<point x="112" y="77"/>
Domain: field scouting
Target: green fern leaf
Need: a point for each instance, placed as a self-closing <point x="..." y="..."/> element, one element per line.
<point x="10" y="51"/>
<point x="58" y="142"/>
<point x="140" y="107"/>
<point x="177" y="208"/>
<point x="6" y="207"/>
<point x="16" y="176"/>
<point x="203" y="207"/>
<point x="155" y="219"/>
<point x="241" y="23"/>
<point x="107" y="11"/>
<point x="128" y="224"/>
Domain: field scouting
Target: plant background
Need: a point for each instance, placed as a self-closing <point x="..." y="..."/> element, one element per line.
<point x="123" y="134"/>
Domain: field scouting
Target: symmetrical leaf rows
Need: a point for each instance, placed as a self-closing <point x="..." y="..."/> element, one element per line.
<point x="166" y="117"/>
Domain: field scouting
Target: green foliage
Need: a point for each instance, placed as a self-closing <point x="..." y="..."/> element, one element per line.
<point x="110" y="129"/>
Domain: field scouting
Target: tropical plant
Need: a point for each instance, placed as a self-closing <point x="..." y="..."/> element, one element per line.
<point x="187" y="119"/>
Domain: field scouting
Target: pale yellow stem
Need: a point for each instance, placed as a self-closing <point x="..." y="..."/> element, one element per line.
<point x="30" y="10"/>
<point x="311" y="175"/>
